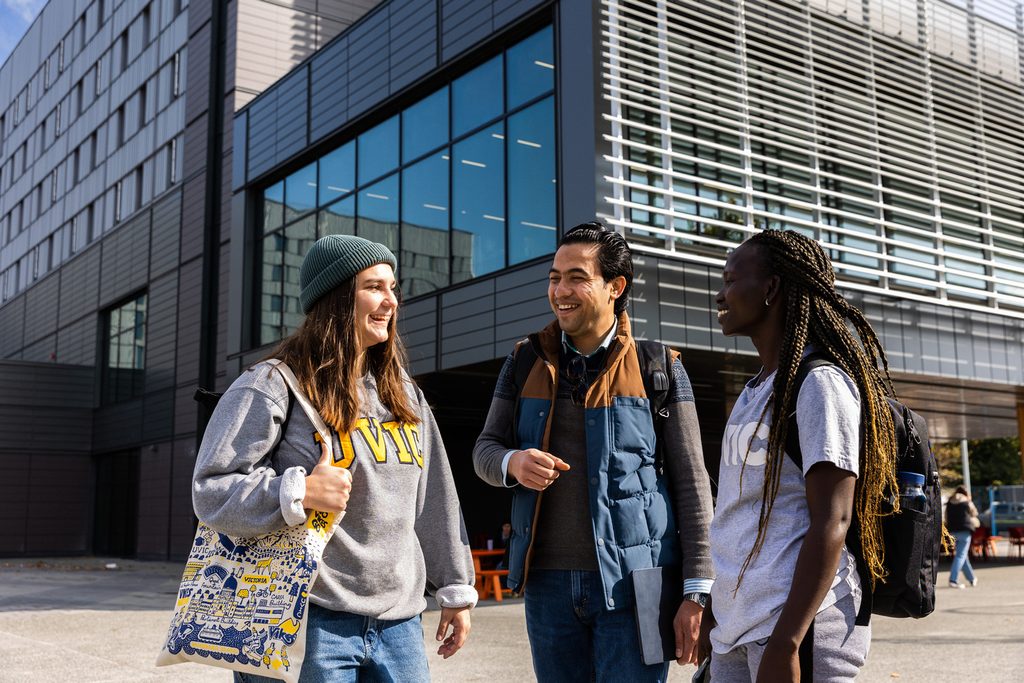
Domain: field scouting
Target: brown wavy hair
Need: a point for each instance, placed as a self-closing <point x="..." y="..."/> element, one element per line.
<point x="324" y="355"/>
<point x="817" y="314"/>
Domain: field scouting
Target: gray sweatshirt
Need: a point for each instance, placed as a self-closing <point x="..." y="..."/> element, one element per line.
<point x="403" y="530"/>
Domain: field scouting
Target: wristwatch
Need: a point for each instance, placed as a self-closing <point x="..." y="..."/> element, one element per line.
<point x="699" y="598"/>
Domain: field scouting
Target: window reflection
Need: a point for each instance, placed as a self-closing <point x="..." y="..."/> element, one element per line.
<point x="338" y="173"/>
<point x="300" y="192"/>
<point x="378" y="150"/>
<point x="425" y="215"/>
<point x="425" y="126"/>
<point x="531" y="69"/>
<point x="531" y="182"/>
<point x="272" y="269"/>
<point x="477" y="97"/>
<point x="299" y="237"/>
<point x="273" y="206"/>
<point x="378" y="213"/>
<point x="478" y="183"/>
<point x="339" y="218"/>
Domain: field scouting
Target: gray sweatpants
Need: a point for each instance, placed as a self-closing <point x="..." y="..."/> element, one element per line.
<point x="840" y="649"/>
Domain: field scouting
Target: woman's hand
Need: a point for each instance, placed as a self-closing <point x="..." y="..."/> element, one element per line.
<point x="458" y="619"/>
<point x="327" y="487"/>
<point x="779" y="664"/>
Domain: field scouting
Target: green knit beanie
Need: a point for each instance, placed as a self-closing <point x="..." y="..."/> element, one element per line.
<point x="334" y="259"/>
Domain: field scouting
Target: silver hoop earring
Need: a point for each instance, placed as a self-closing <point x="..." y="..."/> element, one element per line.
<point x="766" y="304"/>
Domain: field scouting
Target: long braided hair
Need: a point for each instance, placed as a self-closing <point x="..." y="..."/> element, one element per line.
<point x="817" y="314"/>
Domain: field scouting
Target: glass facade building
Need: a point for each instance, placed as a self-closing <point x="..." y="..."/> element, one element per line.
<point x="459" y="184"/>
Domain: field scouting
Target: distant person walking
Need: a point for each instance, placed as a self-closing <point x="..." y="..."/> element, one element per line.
<point x="962" y="520"/>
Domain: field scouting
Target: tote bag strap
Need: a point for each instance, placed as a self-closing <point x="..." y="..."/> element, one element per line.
<point x="321" y="522"/>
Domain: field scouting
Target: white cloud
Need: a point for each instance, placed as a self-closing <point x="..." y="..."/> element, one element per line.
<point x="26" y="10"/>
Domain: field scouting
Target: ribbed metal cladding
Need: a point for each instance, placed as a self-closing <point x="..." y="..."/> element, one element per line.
<point x="890" y="130"/>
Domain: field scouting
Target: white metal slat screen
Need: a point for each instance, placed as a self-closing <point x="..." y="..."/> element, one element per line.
<point x="838" y="118"/>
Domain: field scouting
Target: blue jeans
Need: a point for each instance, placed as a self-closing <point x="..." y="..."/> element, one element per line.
<point x="961" y="558"/>
<point x="343" y="647"/>
<point x="574" y="638"/>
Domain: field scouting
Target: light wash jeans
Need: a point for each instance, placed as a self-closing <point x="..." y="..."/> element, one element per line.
<point x="575" y="639"/>
<point x="961" y="559"/>
<point x="343" y="648"/>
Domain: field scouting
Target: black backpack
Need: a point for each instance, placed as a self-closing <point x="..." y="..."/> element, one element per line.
<point x="655" y="364"/>
<point x="912" y="539"/>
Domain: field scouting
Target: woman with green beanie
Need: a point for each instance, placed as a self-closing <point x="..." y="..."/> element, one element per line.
<point x="260" y="469"/>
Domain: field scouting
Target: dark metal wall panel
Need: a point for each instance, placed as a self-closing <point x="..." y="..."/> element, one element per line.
<point x="507" y="11"/>
<point x="418" y="327"/>
<point x="292" y="124"/>
<point x="182" y="526"/>
<point x="158" y="415"/>
<point x="197" y="98"/>
<point x="124" y="262"/>
<point x="463" y="24"/>
<point x="185" y="411"/>
<point x="42" y="351"/>
<point x="520" y="305"/>
<point x="76" y="343"/>
<point x="14" y="492"/>
<point x="165" y="235"/>
<point x="368" y="62"/>
<point x="467" y="325"/>
<point x="193" y="218"/>
<point x="329" y="90"/>
<point x="79" y="285"/>
<point x="262" y="141"/>
<point x="12" y="327"/>
<point x="415" y="52"/>
<point x="41" y="308"/>
<point x="161" y="333"/>
<point x="154" y="488"/>
<point x="194" y="153"/>
<point x="644" y="312"/>
<point x="59" y="513"/>
<point x="189" y="298"/>
<point x="117" y="426"/>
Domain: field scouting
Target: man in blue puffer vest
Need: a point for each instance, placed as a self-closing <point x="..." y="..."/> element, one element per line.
<point x="576" y="442"/>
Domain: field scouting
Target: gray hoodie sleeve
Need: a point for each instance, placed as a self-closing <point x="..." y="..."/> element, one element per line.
<point x="234" y="488"/>
<point x="689" y="484"/>
<point x="439" y="524"/>
<point x="497" y="438"/>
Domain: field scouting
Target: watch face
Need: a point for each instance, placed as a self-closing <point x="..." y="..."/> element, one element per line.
<point x="699" y="598"/>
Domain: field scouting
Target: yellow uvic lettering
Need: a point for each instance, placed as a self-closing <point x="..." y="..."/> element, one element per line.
<point x="412" y="437"/>
<point x="394" y="430"/>
<point x="373" y="435"/>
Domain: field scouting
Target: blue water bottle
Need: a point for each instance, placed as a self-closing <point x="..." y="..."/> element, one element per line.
<point x="911" y="491"/>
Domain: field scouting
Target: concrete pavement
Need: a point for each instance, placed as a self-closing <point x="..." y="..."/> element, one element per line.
<point x="71" y="620"/>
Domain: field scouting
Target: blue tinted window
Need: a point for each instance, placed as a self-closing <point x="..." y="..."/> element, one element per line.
<point x="425" y="126"/>
<point x="271" y="275"/>
<point x="531" y="69"/>
<point x="378" y="213"/>
<point x="477" y="97"/>
<point x="338" y="218"/>
<point x="300" y="192"/>
<point x="478" y="204"/>
<point x="424" y="257"/>
<point x="338" y="173"/>
<point x="531" y="182"/>
<point x="273" y="206"/>
<point x="378" y="150"/>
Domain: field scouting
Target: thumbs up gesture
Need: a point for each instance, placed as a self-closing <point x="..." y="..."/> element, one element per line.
<point x="327" y="487"/>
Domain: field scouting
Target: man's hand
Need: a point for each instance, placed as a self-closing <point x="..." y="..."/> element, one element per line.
<point x="327" y="487"/>
<point x="687" y="627"/>
<point x="707" y="623"/>
<point x="536" y="469"/>
<point x="458" y="619"/>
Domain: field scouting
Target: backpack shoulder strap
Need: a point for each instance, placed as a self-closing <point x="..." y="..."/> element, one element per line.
<point x="655" y="365"/>
<point x="814" y="360"/>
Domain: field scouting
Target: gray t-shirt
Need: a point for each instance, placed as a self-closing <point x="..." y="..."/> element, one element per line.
<point x="828" y="416"/>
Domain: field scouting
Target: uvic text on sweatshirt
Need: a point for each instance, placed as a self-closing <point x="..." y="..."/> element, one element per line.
<point x="403" y="530"/>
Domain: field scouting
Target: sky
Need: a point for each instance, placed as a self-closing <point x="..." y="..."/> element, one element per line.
<point x="15" y="18"/>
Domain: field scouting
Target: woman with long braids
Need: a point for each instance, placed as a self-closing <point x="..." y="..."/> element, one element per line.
<point x="778" y="535"/>
<point x="261" y="468"/>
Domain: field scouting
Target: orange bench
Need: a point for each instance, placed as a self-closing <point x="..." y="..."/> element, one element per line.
<point x="488" y="582"/>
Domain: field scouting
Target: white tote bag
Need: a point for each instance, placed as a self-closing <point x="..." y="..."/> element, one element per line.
<point x="242" y="601"/>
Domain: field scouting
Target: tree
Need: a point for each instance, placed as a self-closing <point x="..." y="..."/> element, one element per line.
<point x="993" y="462"/>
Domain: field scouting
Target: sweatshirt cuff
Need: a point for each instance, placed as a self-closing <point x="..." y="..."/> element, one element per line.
<point x="293" y="490"/>
<point x="456" y="595"/>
